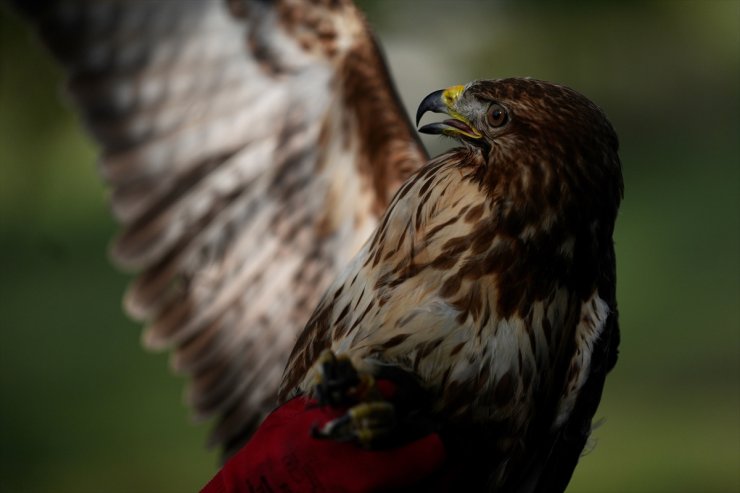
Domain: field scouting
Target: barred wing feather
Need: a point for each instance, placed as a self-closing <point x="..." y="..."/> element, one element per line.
<point x="249" y="147"/>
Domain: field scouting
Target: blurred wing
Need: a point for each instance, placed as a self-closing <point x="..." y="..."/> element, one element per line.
<point x="249" y="147"/>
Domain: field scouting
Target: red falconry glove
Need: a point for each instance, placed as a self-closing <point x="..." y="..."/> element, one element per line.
<point x="283" y="456"/>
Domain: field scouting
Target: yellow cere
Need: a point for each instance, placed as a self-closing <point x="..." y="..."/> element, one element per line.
<point x="451" y="94"/>
<point x="450" y="97"/>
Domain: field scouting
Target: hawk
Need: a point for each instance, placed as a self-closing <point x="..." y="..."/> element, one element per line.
<point x="491" y="278"/>
<point x="252" y="147"/>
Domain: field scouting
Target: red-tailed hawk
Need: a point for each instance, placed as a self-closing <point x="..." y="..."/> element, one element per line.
<point x="491" y="279"/>
<point x="251" y="148"/>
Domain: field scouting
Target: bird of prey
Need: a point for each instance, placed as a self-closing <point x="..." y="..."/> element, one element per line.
<point x="491" y="278"/>
<point x="251" y="148"/>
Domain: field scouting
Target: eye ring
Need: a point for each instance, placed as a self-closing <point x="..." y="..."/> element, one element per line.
<point x="497" y="116"/>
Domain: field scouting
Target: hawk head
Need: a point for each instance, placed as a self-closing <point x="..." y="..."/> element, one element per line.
<point x="548" y="143"/>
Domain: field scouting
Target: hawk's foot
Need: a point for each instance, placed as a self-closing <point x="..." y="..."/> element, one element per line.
<point x="339" y="383"/>
<point x="370" y="418"/>
<point x="368" y="423"/>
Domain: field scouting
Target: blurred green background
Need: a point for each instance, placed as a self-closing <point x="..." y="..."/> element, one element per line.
<point x="84" y="409"/>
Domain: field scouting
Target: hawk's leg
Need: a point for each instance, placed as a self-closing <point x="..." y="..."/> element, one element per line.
<point x="369" y="418"/>
<point x="378" y="414"/>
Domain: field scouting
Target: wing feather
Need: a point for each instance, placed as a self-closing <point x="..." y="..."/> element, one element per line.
<point x="242" y="167"/>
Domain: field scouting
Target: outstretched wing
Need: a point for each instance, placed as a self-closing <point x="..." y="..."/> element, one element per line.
<point x="249" y="147"/>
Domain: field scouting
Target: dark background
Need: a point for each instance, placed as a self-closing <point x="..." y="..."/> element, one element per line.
<point x="84" y="408"/>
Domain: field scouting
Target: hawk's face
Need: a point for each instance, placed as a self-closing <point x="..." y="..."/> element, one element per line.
<point x="551" y="141"/>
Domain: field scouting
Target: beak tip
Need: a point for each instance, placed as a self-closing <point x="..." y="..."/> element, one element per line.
<point x="433" y="102"/>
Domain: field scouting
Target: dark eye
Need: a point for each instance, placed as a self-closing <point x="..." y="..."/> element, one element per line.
<point x="497" y="115"/>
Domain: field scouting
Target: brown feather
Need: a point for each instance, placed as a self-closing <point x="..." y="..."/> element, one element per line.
<point x="241" y="168"/>
<point x="491" y="278"/>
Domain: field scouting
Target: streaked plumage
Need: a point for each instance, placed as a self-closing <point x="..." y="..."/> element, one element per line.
<point x="492" y="278"/>
<point x="251" y="147"/>
<point x="241" y="168"/>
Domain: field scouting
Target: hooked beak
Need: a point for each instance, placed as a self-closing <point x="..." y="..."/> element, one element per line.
<point x="443" y="101"/>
